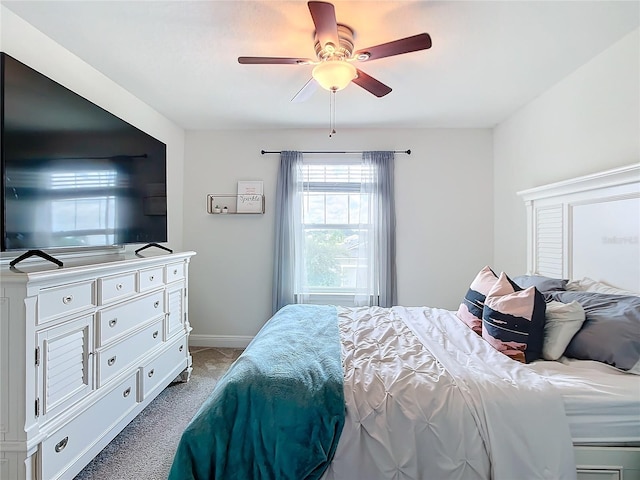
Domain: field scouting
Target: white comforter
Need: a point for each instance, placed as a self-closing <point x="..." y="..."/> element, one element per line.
<point x="427" y="398"/>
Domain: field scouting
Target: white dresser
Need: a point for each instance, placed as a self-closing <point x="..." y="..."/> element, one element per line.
<point x="83" y="349"/>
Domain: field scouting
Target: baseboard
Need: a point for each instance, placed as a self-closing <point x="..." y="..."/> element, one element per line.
<point x="221" y="341"/>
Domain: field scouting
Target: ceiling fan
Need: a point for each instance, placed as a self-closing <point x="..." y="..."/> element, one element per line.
<point x="335" y="54"/>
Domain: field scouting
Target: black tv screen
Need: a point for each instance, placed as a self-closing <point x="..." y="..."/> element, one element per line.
<point x="73" y="174"/>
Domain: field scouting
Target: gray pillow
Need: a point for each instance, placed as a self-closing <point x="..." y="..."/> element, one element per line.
<point x="543" y="284"/>
<point x="611" y="331"/>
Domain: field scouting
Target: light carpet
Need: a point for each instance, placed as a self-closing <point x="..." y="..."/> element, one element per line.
<point x="145" y="448"/>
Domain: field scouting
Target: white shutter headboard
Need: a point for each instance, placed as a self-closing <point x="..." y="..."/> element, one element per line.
<point x="587" y="227"/>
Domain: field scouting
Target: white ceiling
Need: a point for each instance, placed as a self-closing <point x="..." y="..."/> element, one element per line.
<point x="488" y="59"/>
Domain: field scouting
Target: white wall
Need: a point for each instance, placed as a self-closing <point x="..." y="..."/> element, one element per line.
<point x="30" y="46"/>
<point x="449" y="191"/>
<point x="443" y="190"/>
<point x="444" y="219"/>
<point x="588" y="122"/>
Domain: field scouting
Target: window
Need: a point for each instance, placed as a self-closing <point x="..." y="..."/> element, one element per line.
<point x="80" y="208"/>
<point x="335" y="231"/>
<point x="335" y="227"/>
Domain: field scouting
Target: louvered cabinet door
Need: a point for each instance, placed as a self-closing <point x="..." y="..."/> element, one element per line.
<point x="175" y="309"/>
<point x="64" y="365"/>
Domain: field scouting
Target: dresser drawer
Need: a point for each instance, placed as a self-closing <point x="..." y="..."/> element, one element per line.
<point x="174" y="272"/>
<point x="116" y="287"/>
<point x="598" y="474"/>
<point x="115" y="358"/>
<point x="64" y="300"/>
<point x="61" y="449"/>
<point x="157" y="370"/>
<point x="150" y="278"/>
<point x="117" y="320"/>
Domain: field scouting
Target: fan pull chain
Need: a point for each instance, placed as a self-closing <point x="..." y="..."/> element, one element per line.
<point x="332" y="113"/>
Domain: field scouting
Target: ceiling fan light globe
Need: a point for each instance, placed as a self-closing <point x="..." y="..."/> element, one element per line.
<point x="334" y="75"/>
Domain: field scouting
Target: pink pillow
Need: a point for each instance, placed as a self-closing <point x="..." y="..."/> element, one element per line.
<point x="470" y="310"/>
<point x="513" y="320"/>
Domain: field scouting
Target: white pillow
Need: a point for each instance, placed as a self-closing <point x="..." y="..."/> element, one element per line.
<point x="635" y="369"/>
<point x="589" y="285"/>
<point x="563" y="320"/>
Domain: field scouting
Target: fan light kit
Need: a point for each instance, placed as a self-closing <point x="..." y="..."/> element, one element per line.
<point x="334" y="75"/>
<point x="334" y="47"/>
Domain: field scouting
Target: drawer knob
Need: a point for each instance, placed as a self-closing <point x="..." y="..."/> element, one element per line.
<point x="111" y="361"/>
<point x="156" y="304"/>
<point x="175" y="272"/>
<point x="151" y="372"/>
<point x="61" y="444"/>
<point x="151" y="278"/>
<point x="155" y="334"/>
<point x="181" y="348"/>
<point x="119" y="286"/>
<point x="112" y="323"/>
<point x="126" y="393"/>
<point x="67" y="300"/>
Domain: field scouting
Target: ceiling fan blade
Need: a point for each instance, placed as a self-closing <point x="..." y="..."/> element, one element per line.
<point x="421" y="41"/>
<point x="274" y="60"/>
<point x="305" y="92"/>
<point x="324" y="19"/>
<point x="370" y="84"/>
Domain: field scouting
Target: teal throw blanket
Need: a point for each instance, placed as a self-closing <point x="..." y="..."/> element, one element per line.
<point x="278" y="412"/>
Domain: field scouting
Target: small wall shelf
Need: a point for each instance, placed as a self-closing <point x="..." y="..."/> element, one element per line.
<point x="248" y="204"/>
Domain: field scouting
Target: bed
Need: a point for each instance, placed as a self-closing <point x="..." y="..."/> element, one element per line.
<point x="505" y="387"/>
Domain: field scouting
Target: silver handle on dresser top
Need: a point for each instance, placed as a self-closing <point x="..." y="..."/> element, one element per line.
<point x="112" y="322"/>
<point x="111" y="361"/>
<point x="67" y="299"/>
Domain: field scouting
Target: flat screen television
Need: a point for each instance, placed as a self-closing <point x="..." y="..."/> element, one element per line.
<point x="73" y="174"/>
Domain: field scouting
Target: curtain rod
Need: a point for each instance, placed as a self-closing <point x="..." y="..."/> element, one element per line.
<point x="408" y="152"/>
